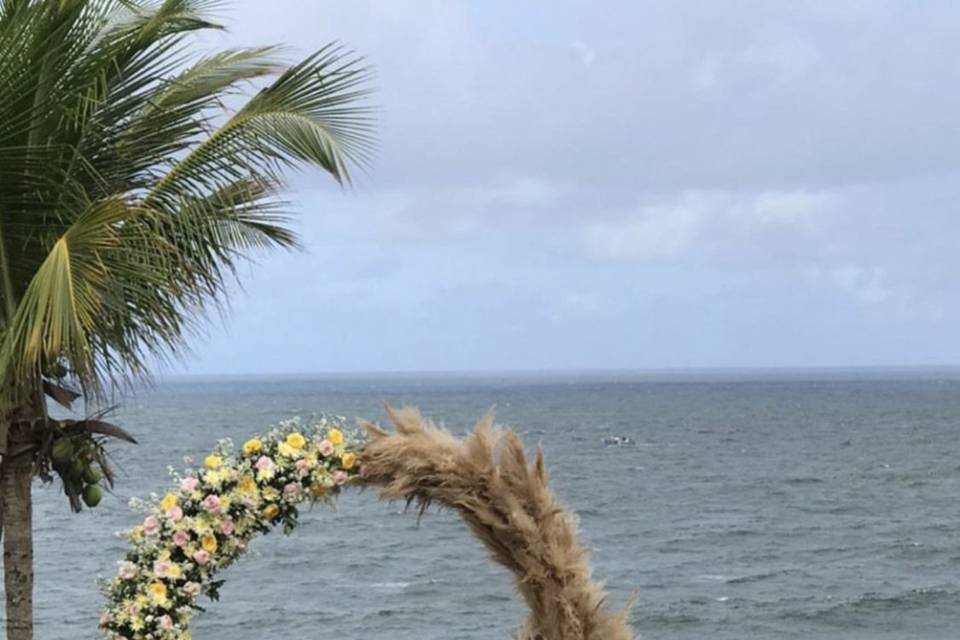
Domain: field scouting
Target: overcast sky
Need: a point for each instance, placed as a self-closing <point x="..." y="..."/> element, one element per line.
<point x="595" y="185"/>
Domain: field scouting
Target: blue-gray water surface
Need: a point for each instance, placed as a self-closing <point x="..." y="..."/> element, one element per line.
<point x="788" y="507"/>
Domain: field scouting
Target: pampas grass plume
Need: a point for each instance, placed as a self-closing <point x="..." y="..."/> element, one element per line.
<point x="507" y="503"/>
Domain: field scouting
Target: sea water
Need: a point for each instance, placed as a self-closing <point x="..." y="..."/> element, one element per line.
<point x="773" y="506"/>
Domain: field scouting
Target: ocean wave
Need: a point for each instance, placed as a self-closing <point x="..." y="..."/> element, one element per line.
<point x="389" y="585"/>
<point x="874" y="603"/>
<point x="658" y="619"/>
<point x="756" y="577"/>
<point x="712" y="577"/>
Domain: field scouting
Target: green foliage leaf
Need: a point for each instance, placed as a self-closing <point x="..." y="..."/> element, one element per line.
<point x="129" y="192"/>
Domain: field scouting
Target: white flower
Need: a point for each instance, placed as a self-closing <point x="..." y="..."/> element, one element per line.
<point x="127" y="570"/>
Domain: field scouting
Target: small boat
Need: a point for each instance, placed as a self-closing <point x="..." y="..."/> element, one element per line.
<point x="618" y="441"/>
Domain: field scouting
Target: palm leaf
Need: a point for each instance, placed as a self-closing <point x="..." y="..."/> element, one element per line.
<point x="58" y="309"/>
<point x="309" y="115"/>
<point x="129" y="194"/>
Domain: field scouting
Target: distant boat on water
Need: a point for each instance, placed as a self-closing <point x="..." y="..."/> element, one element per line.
<point x="618" y="441"/>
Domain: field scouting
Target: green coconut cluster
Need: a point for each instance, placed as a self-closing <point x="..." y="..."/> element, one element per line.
<point x="77" y="459"/>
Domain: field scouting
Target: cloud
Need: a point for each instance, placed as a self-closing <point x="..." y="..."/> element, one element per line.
<point x="867" y="285"/>
<point x="625" y="184"/>
<point x="657" y="232"/>
<point x="420" y="213"/>
<point x="707" y="223"/>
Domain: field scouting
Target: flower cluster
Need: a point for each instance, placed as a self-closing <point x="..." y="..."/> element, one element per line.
<point x="206" y="522"/>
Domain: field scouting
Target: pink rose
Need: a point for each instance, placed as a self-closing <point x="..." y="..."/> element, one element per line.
<point x="192" y="589"/>
<point x="291" y="489"/>
<point x="181" y="538"/>
<point x="201" y="557"/>
<point x="161" y="568"/>
<point x="166" y="622"/>
<point x="302" y="465"/>
<point x="174" y="514"/>
<point x="226" y="527"/>
<point x="151" y="526"/>
<point x="189" y="484"/>
<point x="340" y="476"/>
<point x="211" y="503"/>
<point x="326" y="448"/>
<point x="264" y="464"/>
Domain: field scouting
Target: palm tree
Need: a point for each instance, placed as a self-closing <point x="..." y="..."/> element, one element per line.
<point x="129" y="191"/>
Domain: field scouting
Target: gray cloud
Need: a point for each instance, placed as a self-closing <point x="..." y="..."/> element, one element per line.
<point x="550" y="173"/>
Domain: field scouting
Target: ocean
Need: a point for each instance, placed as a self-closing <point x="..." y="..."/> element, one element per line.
<point x="753" y="505"/>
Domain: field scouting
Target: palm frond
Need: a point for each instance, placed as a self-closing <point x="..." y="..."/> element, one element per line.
<point x="313" y="114"/>
<point x="129" y="193"/>
<point x="58" y="309"/>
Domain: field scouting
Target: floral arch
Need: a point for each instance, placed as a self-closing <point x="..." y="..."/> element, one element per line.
<point x="206" y="521"/>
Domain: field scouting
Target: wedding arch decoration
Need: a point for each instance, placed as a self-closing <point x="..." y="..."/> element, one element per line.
<point x="507" y="504"/>
<point x="206" y="521"/>
<point x="506" y="501"/>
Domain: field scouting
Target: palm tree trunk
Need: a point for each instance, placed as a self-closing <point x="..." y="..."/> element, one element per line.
<point x="16" y="503"/>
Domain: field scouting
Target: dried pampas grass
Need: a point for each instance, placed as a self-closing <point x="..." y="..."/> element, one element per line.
<point x="508" y="505"/>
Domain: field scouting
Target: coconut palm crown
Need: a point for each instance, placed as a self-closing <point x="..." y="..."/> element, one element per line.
<point x="130" y="189"/>
<point x="127" y="193"/>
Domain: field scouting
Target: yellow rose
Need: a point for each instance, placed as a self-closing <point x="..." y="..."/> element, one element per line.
<point x="214" y="478"/>
<point x="348" y="460"/>
<point x="271" y="511"/>
<point x="296" y="440"/>
<point x="335" y="436"/>
<point x="158" y="590"/>
<point x="248" y="485"/>
<point x="201" y="524"/>
<point x="169" y="502"/>
<point x="252" y="446"/>
<point x="209" y="542"/>
<point x="213" y="462"/>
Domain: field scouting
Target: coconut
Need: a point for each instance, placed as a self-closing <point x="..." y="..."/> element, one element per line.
<point x="75" y="469"/>
<point x="92" y="495"/>
<point x="62" y="450"/>
<point x="91" y="475"/>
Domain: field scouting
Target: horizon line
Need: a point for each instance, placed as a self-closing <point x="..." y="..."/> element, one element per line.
<point x="931" y="368"/>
